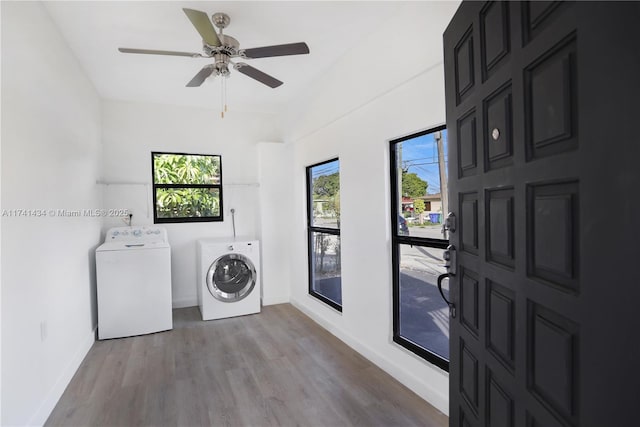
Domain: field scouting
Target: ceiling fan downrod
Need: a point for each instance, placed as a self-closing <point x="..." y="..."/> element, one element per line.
<point x="222" y="49"/>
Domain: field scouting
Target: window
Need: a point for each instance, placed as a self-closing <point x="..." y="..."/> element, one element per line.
<point x="323" y="219"/>
<point x="418" y="204"/>
<point x="186" y="187"/>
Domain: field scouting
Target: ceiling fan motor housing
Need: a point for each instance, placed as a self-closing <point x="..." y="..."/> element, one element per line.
<point x="228" y="45"/>
<point x="222" y="48"/>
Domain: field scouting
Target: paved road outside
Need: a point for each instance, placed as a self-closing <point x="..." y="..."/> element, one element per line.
<point x="424" y="316"/>
<point x="431" y="231"/>
<point x="330" y="287"/>
<point x="328" y="222"/>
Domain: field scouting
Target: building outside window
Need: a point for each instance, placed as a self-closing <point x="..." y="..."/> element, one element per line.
<point x="418" y="206"/>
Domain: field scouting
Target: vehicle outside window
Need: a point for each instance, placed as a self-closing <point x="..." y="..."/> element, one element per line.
<point x="403" y="229"/>
<point x="418" y="205"/>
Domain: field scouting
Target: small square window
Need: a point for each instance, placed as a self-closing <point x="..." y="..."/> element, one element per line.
<point x="186" y="187"/>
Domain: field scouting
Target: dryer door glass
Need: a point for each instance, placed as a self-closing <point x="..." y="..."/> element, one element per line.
<point x="231" y="277"/>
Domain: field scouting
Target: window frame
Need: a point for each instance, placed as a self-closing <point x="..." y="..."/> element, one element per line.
<point x="314" y="229"/>
<point x="156" y="186"/>
<point x="396" y="241"/>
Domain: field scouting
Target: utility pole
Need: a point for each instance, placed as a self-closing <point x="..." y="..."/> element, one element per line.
<point x="444" y="191"/>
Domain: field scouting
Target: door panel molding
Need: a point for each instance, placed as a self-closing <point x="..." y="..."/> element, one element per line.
<point x="549" y="221"/>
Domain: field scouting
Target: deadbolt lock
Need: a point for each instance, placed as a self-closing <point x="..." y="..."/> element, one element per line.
<point x="450" y="222"/>
<point x="449" y="257"/>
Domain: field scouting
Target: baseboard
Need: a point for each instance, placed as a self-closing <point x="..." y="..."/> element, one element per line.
<point x="409" y="379"/>
<point x="192" y="302"/>
<point x="185" y="302"/>
<point x="54" y="395"/>
<point x="275" y="299"/>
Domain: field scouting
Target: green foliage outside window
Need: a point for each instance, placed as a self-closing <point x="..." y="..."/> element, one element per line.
<point x="187" y="202"/>
<point x="326" y="188"/>
<point x="413" y="185"/>
<point x="186" y="186"/>
<point x="326" y="185"/>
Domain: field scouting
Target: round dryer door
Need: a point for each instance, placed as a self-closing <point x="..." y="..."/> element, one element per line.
<point x="231" y="277"/>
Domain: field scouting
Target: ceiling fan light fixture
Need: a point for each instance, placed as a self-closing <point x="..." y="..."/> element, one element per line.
<point x="222" y="48"/>
<point x="222" y="70"/>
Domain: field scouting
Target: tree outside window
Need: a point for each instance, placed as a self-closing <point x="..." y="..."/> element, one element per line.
<point x="186" y="187"/>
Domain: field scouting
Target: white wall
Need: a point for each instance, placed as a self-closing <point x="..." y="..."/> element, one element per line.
<point x="361" y="104"/>
<point x="0" y="246"/>
<point x="275" y="168"/>
<point x="131" y="131"/>
<point x="389" y="85"/>
<point x="51" y="156"/>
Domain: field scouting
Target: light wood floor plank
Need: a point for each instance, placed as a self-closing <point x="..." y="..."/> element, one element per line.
<point x="276" y="368"/>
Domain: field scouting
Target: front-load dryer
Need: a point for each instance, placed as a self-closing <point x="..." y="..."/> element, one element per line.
<point x="228" y="277"/>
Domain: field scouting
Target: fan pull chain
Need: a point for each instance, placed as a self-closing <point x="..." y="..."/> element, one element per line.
<point x="222" y="97"/>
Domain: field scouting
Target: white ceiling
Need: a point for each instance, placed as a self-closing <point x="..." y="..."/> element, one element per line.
<point x="95" y="30"/>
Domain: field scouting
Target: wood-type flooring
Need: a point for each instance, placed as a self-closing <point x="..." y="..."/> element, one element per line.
<point x="276" y="368"/>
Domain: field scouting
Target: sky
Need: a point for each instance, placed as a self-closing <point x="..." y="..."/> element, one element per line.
<point x="420" y="155"/>
<point x="325" y="169"/>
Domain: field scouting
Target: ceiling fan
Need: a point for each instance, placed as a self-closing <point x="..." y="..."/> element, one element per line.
<point x="223" y="48"/>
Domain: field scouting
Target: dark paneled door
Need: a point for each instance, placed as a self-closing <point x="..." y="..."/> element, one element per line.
<point x="542" y="113"/>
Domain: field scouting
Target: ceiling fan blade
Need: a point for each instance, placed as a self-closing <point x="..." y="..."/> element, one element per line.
<point x="202" y="75"/>
<point x="258" y="75"/>
<point x="277" y="50"/>
<point x="159" y="52"/>
<point x="203" y="25"/>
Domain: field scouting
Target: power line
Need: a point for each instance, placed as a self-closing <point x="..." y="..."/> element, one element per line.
<point x="422" y="164"/>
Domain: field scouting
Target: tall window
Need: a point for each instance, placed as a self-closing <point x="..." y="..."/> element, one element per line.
<point x="323" y="219"/>
<point x="186" y="187"/>
<point x="418" y="206"/>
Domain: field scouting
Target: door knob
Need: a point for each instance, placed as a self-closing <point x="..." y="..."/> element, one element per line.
<point x="452" y="307"/>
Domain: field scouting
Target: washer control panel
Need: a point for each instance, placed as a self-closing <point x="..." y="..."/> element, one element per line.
<point x="137" y="233"/>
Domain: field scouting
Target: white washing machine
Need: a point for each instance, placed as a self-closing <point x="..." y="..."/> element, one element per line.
<point x="228" y="277"/>
<point x="133" y="268"/>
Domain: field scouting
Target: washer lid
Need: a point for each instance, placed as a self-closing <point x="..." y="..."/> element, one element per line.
<point x="130" y="246"/>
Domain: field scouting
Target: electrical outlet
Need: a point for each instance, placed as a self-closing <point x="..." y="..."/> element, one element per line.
<point x="43" y="331"/>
